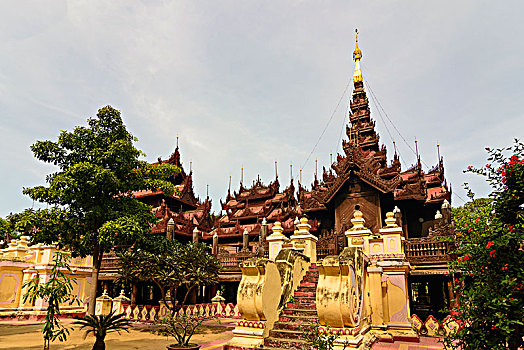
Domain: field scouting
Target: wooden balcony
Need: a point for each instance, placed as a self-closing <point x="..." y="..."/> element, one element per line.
<point x="111" y="262"/>
<point x="231" y="262"/>
<point x="427" y="250"/>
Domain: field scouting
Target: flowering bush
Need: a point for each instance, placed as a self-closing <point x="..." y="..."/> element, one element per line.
<point x="489" y="270"/>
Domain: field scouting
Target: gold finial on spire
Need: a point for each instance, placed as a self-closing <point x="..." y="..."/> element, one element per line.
<point x="357" y="56"/>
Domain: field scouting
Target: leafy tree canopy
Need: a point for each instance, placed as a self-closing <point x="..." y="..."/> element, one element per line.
<point x="93" y="207"/>
<point x="170" y="264"/>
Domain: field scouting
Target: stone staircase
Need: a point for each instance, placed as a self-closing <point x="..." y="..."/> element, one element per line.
<point x="286" y="333"/>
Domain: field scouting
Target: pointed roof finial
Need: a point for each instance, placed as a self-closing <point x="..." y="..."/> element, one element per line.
<point x="291" y="171"/>
<point x="395" y="146"/>
<point x="241" y="176"/>
<point x="176" y="140"/>
<point x="190" y="166"/>
<point x="276" y="171"/>
<point x="357" y="56"/>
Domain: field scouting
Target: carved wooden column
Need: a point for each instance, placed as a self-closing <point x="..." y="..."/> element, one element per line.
<point x="170" y="234"/>
<point x="262" y="238"/>
<point x="245" y="241"/>
<point x="214" y="249"/>
<point x="195" y="235"/>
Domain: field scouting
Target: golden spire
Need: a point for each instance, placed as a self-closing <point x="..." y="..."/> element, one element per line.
<point x="357" y="56"/>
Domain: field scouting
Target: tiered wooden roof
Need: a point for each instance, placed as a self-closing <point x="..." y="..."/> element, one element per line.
<point x="186" y="210"/>
<point x="364" y="158"/>
<point x="245" y="210"/>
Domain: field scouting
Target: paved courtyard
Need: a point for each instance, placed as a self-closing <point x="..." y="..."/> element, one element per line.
<point x="425" y="343"/>
<point x="27" y="336"/>
<point x="213" y="335"/>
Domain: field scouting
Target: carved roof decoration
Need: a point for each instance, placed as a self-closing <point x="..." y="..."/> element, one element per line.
<point x="364" y="158"/>
<point x="245" y="209"/>
<point x="185" y="221"/>
<point x="182" y="181"/>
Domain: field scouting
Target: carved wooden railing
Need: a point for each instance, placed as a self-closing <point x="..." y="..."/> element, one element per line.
<point x="231" y="262"/>
<point x="331" y="243"/>
<point x="427" y="250"/>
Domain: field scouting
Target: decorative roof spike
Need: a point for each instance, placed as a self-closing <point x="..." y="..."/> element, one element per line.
<point x="242" y="177"/>
<point x="229" y="190"/>
<point x="357" y="56"/>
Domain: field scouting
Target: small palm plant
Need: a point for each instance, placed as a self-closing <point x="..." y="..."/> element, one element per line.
<point x="101" y="325"/>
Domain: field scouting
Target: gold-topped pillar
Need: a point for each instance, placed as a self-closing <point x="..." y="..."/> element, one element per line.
<point x="276" y="240"/>
<point x="303" y="240"/>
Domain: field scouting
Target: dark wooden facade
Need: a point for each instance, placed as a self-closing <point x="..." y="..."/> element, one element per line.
<point x="361" y="178"/>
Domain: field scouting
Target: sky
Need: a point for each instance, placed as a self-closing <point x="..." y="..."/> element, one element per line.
<point x="245" y="83"/>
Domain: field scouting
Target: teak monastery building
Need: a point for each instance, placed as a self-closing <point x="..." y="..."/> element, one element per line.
<point x="360" y="179"/>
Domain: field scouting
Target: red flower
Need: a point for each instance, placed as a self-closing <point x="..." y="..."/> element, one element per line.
<point x="493" y="327"/>
<point x="477" y="219"/>
<point x="490" y="244"/>
<point x="492" y="253"/>
<point x="466" y="257"/>
<point x="488" y="165"/>
<point x="459" y="259"/>
<point x="505" y="268"/>
<point x="511" y="228"/>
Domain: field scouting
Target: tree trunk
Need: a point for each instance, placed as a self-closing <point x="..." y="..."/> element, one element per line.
<point x="97" y="261"/>
<point x="99" y="344"/>
<point x="134" y="293"/>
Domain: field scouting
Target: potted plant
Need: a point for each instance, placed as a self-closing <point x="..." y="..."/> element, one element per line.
<point x="182" y="329"/>
<point x="101" y="325"/>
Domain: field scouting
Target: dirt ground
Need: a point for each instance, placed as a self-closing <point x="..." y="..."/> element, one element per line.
<point x="24" y="336"/>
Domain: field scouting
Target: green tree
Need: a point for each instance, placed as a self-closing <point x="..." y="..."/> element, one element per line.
<point x="7" y="229"/>
<point x="490" y="274"/>
<point x="170" y="265"/>
<point x="57" y="290"/>
<point x="91" y="193"/>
